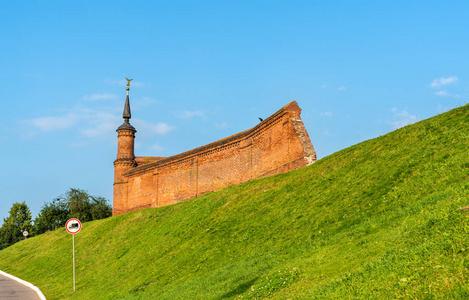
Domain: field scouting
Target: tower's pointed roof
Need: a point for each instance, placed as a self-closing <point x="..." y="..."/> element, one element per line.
<point x="126" y="115"/>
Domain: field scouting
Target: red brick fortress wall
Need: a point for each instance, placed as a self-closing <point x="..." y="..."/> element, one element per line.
<point x="278" y="144"/>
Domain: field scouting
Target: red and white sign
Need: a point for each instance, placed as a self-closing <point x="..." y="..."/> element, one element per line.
<point x="25" y="233"/>
<point x="73" y="226"/>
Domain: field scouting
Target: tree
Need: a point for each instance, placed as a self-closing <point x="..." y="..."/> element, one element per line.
<point x="80" y="204"/>
<point x="100" y="209"/>
<point x="13" y="226"/>
<point x="52" y="215"/>
<point x="76" y="203"/>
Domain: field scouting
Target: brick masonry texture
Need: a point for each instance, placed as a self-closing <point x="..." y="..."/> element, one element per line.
<point x="278" y="144"/>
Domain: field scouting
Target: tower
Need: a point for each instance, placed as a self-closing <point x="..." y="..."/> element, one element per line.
<point x="125" y="157"/>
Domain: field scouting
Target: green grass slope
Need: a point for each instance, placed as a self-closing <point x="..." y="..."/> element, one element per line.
<point x="379" y="220"/>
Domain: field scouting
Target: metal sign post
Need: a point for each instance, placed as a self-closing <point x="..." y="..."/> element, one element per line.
<point x="73" y="226"/>
<point x="73" y="262"/>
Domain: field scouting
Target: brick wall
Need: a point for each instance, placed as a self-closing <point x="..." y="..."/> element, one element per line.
<point x="278" y="144"/>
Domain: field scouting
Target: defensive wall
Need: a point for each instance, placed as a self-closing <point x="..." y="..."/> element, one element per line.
<point x="278" y="144"/>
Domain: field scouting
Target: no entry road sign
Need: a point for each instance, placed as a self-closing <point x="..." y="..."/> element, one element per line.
<point x="73" y="226"/>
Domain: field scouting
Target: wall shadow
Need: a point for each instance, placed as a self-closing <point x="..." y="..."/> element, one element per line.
<point x="239" y="289"/>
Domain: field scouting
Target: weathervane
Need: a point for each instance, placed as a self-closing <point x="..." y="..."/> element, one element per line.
<point x="128" y="81"/>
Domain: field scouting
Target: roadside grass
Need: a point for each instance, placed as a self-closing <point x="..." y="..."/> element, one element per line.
<point x="378" y="220"/>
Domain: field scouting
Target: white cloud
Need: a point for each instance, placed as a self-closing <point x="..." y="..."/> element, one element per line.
<point x="402" y="118"/>
<point x="54" y="123"/>
<point x="439" y="82"/>
<point x="442" y="93"/>
<point x="221" y="125"/>
<point x="27" y="134"/>
<point x="161" y="128"/>
<point x="326" y="114"/>
<point x="150" y="128"/>
<point x="90" y="123"/>
<point x="144" y="102"/>
<point x="156" y="148"/>
<point x="323" y="86"/>
<point x="342" y="88"/>
<point x="94" y="97"/>
<point x="186" y="114"/>
<point x="446" y="94"/>
<point x="99" y="124"/>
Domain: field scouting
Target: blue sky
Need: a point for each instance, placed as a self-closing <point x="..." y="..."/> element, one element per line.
<point x="204" y="70"/>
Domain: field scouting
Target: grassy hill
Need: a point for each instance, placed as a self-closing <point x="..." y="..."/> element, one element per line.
<point x="379" y="220"/>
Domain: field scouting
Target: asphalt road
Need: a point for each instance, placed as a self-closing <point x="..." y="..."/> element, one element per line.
<point x="12" y="290"/>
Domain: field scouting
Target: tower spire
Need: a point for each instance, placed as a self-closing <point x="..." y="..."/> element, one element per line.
<point x="127" y="115"/>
